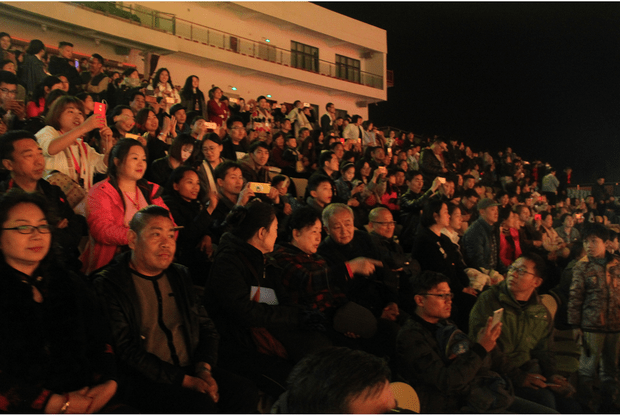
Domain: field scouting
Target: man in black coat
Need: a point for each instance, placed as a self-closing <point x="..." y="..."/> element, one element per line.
<point x="65" y="65"/>
<point x="166" y="344"/>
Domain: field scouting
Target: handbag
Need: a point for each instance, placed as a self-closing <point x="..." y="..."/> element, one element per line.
<point x="74" y="192"/>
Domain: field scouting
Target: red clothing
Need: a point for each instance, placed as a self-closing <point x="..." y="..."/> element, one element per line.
<point x="509" y="247"/>
<point x="105" y="217"/>
<point x="34" y="110"/>
<point x="217" y="113"/>
<point x="276" y="158"/>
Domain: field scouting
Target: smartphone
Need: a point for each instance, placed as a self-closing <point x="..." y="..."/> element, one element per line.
<point x="537" y="217"/>
<point x="211" y="125"/>
<point x="259" y="187"/>
<point x="342" y="140"/>
<point x="169" y="100"/>
<point x="442" y="180"/>
<point x="497" y="316"/>
<point x="149" y="92"/>
<point x="99" y="108"/>
<point x="134" y="136"/>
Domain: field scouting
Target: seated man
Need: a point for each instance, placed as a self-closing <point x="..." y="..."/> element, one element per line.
<point x="481" y="240"/>
<point x="526" y="335"/>
<point x="254" y="164"/>
<point x="165" y="342"/>
<point x="235" y="144"/>
<point x="338" y="380"/>
<point x="8" y="102"/>
<point x="231" y="192"/>
<point x="344" y="243"/>
<point x="444" y="376"/>
<point x="328" y="166"/>
<point x="321" y="191"/>
<point x="23" y="158"/>
<point x="381" y="227"/>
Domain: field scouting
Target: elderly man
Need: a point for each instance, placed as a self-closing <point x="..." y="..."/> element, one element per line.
<point x="164" y="340"/>
<point x="526" y="335"/>
<point x="481" y="241"/>
<point x="400" y="265"/>
<point x="344" y="243"/>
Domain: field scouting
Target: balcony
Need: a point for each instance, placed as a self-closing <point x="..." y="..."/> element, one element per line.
<point x="194" y="32"/>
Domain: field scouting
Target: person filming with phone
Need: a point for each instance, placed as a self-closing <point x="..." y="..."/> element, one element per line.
<point x="524" y="343"/>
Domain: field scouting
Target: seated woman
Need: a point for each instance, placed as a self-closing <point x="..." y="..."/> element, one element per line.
<point x="454" y="229"/>
<point x="248" y="305"/>
<point x="509" y="242"/>
<point x="122" y="122"/>
<point x="162" y="87"/>
<point x="551" y="241"/>
<point x="113" y="202"/>
<point x="157" y="139"/>
<point x="217" y="111"/>
<point x="194" y="245"/>
<point x="36" y="107"/>
<point x="62" y="144"/>
<point x="180" y="151"/>
<point x="54" y="351"/>
<point x="435" y="252"/>
<point x="211" y="147"/>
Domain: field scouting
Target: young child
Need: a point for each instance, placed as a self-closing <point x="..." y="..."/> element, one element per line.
<point x="321" y="192"/>
<point x="281" y="183"/>
<point x="344" y="184"/>
<point x="593" y="305"/>
<point x="294" y="157"/>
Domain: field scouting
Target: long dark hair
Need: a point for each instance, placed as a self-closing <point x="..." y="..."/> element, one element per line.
<point x="35" y="46"/>
<point x="187" y="91"/>
<point x="120" y="152"/>
<point x="141" y="118"/>
<point x="39" y="91"/>
<point x="156" y="77"/>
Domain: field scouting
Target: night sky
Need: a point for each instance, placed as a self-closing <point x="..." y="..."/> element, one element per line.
<point x="541" y="78"/>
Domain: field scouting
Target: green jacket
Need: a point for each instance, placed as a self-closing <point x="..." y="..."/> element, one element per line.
<point x="526" y="332"/>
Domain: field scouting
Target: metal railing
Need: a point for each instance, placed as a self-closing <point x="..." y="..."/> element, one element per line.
<point x="195" y="32"/>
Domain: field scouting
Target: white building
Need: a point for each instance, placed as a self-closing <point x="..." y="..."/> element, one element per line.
<point x="289" y="50"/>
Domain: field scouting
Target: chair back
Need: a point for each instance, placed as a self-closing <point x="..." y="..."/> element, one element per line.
<point x="406" y="396"/>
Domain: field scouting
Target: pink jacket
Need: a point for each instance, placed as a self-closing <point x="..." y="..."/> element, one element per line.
<point x="107" y="232"/>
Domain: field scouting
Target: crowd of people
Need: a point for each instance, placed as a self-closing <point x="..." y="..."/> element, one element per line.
<point x="168" y="252"/>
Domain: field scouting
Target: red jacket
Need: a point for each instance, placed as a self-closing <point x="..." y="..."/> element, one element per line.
<point x="217" y="113"/>
<point x="107" y="232"/>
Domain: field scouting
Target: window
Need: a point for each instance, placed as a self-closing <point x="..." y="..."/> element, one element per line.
<point x="304" y="57"/>
<point x="347" y="68"/>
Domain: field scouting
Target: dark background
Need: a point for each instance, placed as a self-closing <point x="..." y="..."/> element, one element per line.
<point x="541" y="78"/>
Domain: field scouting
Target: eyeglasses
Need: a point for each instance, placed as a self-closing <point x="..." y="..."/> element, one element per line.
<point x="29" y="229"/>
<point x="392" y="223"/>
<point x="520" y="271"/>
<point x="445" y="297"/>
<point x="8" y="91"/>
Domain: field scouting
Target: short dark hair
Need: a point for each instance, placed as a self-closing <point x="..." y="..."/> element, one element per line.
<point x="62" y="44"/>
<point x="410" y="174"/>
<point x="7" y="77"/>
<point x="426" y="281"/>
<point x="7" y="140"/>
<point x="221" y="170"/>
<point x="256" y="144"/>
<point x="471" y="193"/>
<point x="431" y="206"/>
<point x="540" y="268"/>
<point x="178" y="143"/>
<point x="134" y="94"/>
<point x="316" y="180"/>
<point x="211" y="137"/>
<point x="247" y="220"/>
<point x="233" y="119"/>
<point x="595" y="229"/>
<point x="144" y="215"/>
<point x="327" y="381"/>
<point x="3" y="34"/>
<point x="325" y="157"/>
<point x="355" y="118"/>
<point x="98" y="57"/>
<point x="279" y="178"/>
<point x="35" y="46"/>
<point x="329" y="104"/>
<point x="301" y="218"/>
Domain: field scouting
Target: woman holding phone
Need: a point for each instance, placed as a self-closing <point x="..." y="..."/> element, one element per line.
<point x="62" y="141"/>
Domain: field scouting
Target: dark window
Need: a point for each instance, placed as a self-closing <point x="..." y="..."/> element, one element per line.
<point x="304" y="57"/>
<point x="347" y="68"/>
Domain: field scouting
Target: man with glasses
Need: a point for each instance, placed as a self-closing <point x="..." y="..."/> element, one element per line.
<point x="441" y="362"/>
<point x="526" y="335"/>
<point x="400" y="266"/>
<point x="12" y="112"/>
<point x="235" y="144"/>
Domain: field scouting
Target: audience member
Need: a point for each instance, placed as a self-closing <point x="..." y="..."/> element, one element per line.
<point x="162" y="87"/>
<point x="165" y="342"/>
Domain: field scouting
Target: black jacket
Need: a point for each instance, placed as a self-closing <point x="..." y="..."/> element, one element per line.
<point x="115" y="286"/>
<point x="237" y="267"/>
